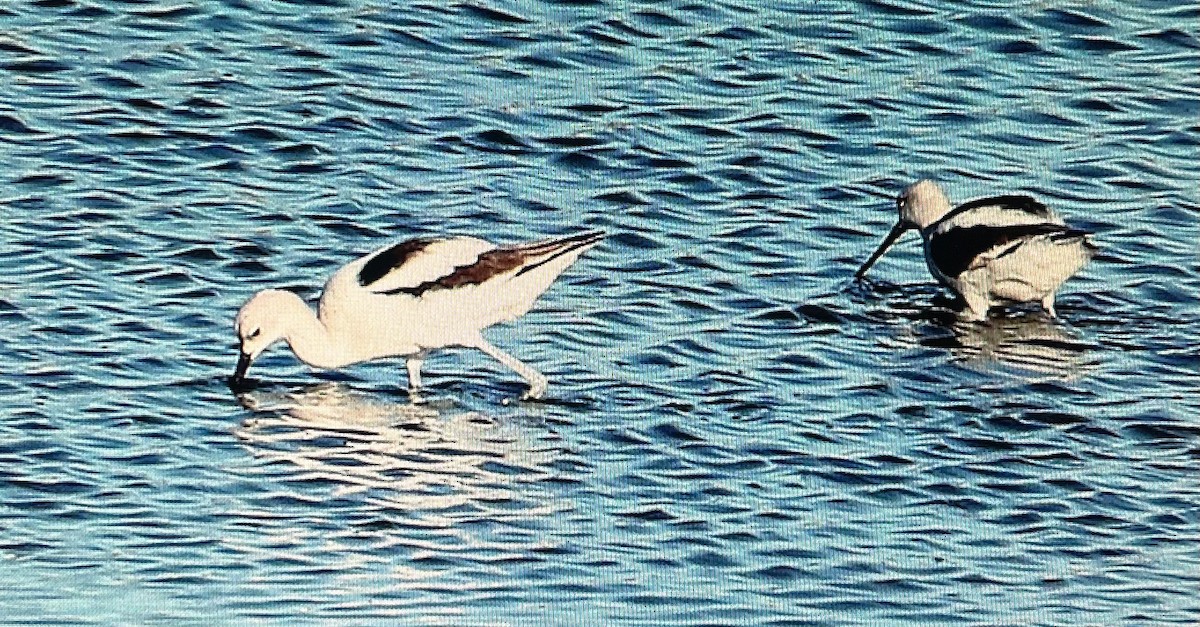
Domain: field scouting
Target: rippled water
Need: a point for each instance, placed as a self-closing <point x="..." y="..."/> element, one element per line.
<point x="737" y="433"/>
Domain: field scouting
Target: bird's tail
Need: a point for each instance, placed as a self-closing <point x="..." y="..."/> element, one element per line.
<point x="537" y="265"/>
<point x="538" y="254"/>
<point x="1076" y="236"/>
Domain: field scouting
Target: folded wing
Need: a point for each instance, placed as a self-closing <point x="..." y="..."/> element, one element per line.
<point x="420" y="266"/>
<point x="413" y="266"/>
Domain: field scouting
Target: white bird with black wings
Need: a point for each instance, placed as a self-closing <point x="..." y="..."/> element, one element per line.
<point x="998" y="250"/>
<point x="408" y="299"/>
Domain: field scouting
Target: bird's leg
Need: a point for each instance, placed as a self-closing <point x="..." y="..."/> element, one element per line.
<point x="974" y="286"/>
<point x="977" y="306"/>
<point x="413" y="363"/>
<point x="1048" y="305"/>
<point x="537" y="382"/>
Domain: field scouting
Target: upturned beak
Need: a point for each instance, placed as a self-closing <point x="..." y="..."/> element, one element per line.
<point x="891" y="238"/>
<point x="239" y="374"/>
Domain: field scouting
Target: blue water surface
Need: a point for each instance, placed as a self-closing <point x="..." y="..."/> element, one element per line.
<point x="737" y="433"/>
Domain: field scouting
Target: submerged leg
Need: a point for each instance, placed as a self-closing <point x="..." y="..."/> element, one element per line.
<point x="537" y="382"/>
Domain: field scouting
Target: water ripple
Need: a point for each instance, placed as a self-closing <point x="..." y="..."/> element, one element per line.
<point x="733" y="421"/>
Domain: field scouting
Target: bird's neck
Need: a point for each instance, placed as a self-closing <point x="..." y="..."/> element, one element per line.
<point x="309" y="338"/>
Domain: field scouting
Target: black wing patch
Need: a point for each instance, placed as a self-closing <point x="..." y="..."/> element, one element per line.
<point x="1027" y="204"/>
<point x="559" y="248"/>
<point x="953" y="251"/>
<point x="490" y="263"/>
<point x="498" y="261"/>
<point x="389" y="259"/>
<point x="1069" y="235"/>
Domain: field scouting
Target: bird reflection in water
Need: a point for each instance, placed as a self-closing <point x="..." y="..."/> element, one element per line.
<point x="1028" y="343"/>
<point x="1031" y="344"/>
<point x="429" y="462"/>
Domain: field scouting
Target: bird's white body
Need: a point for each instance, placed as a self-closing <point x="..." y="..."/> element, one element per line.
<point x="1028" y="268"/>
<point x="409" y="298"/>
<point x="368" y="323"/>
<point x="1005" y="249"/>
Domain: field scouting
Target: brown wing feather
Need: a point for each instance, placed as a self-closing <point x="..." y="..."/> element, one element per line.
<point x="500" y="261"/>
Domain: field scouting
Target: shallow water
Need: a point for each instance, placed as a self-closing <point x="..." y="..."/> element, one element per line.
<point x="737" y="433"/>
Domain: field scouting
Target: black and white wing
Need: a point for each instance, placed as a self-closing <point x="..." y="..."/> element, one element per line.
<point x="419" y="266"/>
<point x="983" y="231"/>
<point x="956" y="250"/>
<point x="998" y="210"/>
<point x="413" y="266"/>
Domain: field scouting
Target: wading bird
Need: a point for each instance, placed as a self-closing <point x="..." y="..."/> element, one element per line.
<point x="408" y="299"/>
<point x="999" y="250"/>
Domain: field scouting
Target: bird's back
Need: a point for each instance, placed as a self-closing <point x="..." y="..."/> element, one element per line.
<point x="1023" y="249"/>
<point x="433" y="292"/>
<point x="997" y="211"/>
<point x="508" y="280"/>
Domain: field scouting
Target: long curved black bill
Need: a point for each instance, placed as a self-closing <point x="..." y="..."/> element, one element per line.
<point x="891" y="238"/>
<point x="239" y="374"/>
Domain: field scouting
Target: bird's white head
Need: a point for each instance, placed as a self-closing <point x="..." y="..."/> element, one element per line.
<point x="922" y="204"/>
<point x="261" y="322"/>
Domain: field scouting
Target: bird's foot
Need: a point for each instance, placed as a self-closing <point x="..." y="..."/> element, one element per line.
<point x="975" y="307"/>
<point x="537" y="389"/>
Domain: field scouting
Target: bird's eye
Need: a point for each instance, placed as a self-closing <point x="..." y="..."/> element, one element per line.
<point x="253" y="334"/>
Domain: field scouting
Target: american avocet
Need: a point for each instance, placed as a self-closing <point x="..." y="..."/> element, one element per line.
<point x="1004" y="249"/>
<point x="407" y="299"/>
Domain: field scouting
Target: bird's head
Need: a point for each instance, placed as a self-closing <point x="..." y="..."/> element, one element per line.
<point x="920" y="205"/>
<point x="260" y="323"/>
